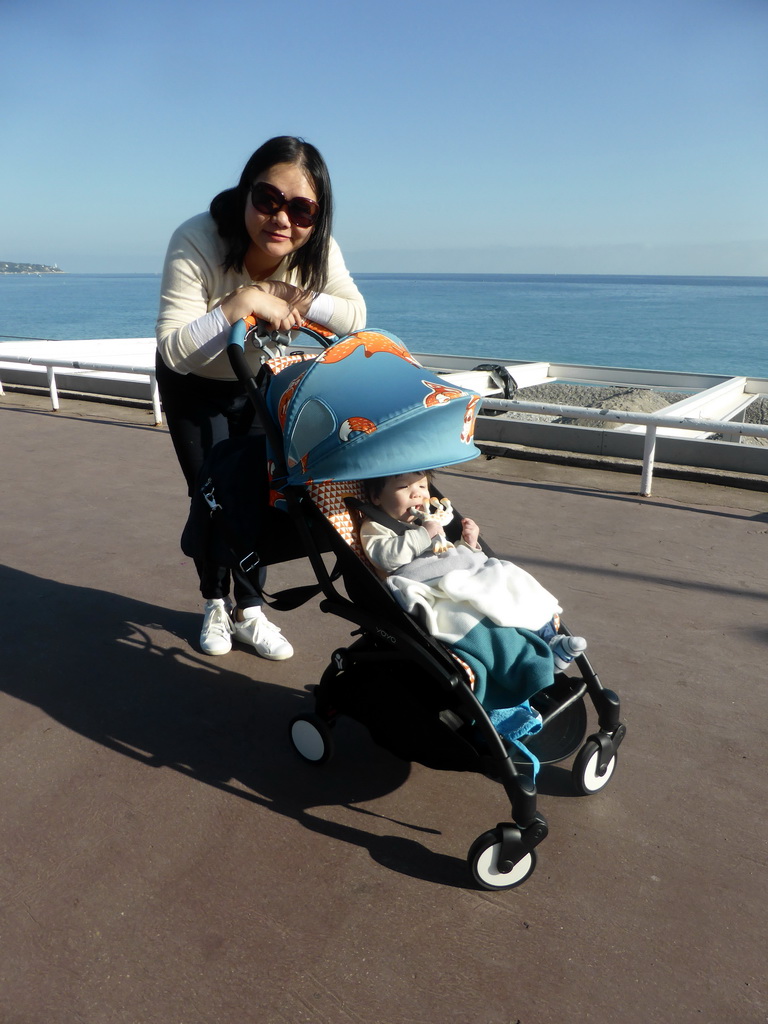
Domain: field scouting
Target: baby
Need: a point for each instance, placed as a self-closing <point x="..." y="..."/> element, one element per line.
<point x="406" y="500"/>
<point x="492" y="613"/>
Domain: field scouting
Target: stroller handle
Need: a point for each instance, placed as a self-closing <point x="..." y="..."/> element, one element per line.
<point x="274" y="341"/>
<point x="271" y="342"/>
<point x="237" y="335"/>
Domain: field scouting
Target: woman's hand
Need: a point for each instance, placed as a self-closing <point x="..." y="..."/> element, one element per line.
<point x="470" y="532"/>
<point x="279" y="312"/>
<point x="295" y="297"/>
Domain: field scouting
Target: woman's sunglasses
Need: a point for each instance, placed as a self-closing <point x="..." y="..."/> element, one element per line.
<point x="269" y="200"/>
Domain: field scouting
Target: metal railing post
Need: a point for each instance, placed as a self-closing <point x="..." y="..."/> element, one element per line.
<point x="50" y="373"/>
<point x="154" y="392"/>
<point x="649" y="456"/>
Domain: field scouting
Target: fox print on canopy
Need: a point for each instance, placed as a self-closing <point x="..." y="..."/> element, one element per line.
<point x="365" y="407"/>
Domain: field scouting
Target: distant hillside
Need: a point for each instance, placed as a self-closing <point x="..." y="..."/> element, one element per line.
<point x="28" y="268"/>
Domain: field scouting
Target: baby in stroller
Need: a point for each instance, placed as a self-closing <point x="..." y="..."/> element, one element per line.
<point x="492" y="614"/>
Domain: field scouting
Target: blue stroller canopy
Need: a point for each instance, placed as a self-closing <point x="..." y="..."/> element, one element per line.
<point x="366" y="408"/>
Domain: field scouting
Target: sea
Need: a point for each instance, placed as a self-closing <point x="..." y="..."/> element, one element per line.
<point x="700" y="324"/>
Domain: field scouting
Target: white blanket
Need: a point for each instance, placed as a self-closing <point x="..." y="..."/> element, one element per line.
<point x="451" y="601"/>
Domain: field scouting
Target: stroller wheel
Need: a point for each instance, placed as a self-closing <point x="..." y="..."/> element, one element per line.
<point x="311" y="738"/>
<point x="483" y="860"/>
<point x="586" y="774"/>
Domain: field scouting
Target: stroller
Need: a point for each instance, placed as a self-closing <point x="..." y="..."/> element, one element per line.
<point x="365" y="407"/>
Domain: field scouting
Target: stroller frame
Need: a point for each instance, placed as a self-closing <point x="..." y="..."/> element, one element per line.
<point x="502" y="857"/>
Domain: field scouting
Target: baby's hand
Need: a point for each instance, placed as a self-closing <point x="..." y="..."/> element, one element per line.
<point x="470" y="532"/>
<point x="434" y="514"/>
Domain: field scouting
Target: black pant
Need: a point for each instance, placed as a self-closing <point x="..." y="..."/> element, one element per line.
<point x="201" y="412"/>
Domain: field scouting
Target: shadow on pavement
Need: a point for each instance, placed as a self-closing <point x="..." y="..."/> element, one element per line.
<point x="121" y="673"/>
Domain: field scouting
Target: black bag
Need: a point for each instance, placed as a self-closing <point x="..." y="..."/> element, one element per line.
<point x="230" y="518"/>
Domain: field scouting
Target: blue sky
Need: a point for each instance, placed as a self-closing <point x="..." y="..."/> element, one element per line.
<point x="506" y="136"/>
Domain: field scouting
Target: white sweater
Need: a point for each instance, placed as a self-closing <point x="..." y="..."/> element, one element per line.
<point x="192" y="334"/>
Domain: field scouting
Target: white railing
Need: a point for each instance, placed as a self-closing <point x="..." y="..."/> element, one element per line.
<point x="129" y="357"/>
<point x="651" y="421"/>
<point x="728" y="397"/>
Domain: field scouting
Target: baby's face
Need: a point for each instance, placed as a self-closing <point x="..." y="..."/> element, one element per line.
<point x="400" y="493"/>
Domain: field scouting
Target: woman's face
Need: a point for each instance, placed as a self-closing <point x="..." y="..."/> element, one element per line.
<point x="273" y="236"/>
<point x="400" y="493"/>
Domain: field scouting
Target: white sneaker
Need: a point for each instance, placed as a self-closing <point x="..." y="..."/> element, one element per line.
<point x="565" y="649"/>
<point x="216" y="634"/>
<point x="261" y="634"/>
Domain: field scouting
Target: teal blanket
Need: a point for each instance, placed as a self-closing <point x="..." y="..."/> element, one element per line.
<point x="510" y="665"/>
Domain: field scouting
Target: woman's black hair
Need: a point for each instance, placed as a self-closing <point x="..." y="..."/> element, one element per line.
<point x="228" y="209"/>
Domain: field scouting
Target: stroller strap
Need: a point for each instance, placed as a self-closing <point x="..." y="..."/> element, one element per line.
<point x="250" y="562"/>
<point x="284" y="600"/>
<point x="374" y="512"/>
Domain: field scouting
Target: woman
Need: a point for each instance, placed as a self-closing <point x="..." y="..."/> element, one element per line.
<point x="265" y="248"/>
